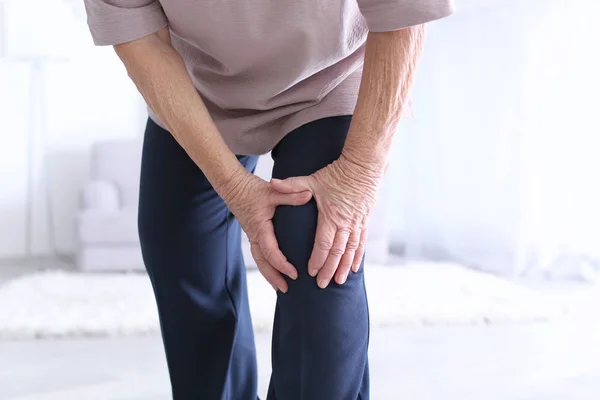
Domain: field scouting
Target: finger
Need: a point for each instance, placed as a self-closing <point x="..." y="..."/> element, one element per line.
<point x="333" y="258"/>
<point x="360" y="251"/>
<point x="291" y="199"/>
<point x="348" y="258"/>
<point x="270" y="274"/>
<point x="270" y="250"/>
<point x="291" y="185"/>
<point x="323" y="243"/>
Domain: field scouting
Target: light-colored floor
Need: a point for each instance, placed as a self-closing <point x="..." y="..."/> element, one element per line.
<point x="529" y="361"/>
<point x="542" y="361"/>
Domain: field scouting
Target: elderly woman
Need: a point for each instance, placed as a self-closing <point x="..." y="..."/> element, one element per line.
<point x="322" y="85"/>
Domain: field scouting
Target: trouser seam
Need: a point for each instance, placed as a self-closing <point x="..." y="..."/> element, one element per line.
<point x="231" y="300"/>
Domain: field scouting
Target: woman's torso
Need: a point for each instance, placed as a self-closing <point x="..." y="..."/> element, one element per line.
<point x="256" y="63"/>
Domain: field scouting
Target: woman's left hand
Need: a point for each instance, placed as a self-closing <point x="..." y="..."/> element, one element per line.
<point x="345" y="193"/>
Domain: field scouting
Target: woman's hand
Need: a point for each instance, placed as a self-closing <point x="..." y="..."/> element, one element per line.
<point x="345" y="193"/>
<point x="253" y="202"/>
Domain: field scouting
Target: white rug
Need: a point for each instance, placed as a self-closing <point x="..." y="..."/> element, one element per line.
<point x="56" y="303"/>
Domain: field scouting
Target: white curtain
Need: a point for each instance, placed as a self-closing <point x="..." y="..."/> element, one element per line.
<point x="500" y="166"/>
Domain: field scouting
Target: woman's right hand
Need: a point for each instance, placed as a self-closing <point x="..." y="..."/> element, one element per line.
<point x="253" y="202"/>
<point x="160" y="74"/>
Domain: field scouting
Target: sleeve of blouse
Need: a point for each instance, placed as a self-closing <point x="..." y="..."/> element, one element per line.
<point x="114" y="22"/>
<point x="393" y="15"/>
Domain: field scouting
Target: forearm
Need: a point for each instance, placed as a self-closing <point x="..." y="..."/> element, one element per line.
<point x="161" y="77"/>
<point x="390" y="62"/>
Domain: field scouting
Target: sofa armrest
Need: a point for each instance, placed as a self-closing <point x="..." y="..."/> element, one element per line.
<point x="101" y="196"/>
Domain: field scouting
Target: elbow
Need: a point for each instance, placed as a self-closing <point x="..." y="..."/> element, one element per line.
<point x="137" y="52"/>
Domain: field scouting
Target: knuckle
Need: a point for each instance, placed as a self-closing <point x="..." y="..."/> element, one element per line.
<point x="341" y="272"/>
<point x="272" y="199"/>
<point x="345" y="230"/>
<point x="256" y="255"/>
<point x="336" y="251"/>
<point x="323" y="244"/>
<point x="352" y="246"/>
<point x="258" y="234"/>
<point x="300" y="197"/>
<point x="261" y="263"/>
<point x="267" y="253"/>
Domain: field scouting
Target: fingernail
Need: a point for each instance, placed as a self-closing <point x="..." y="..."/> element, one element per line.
<point x="322" y="283"/>
<point x="283" y="290"/>
<point x="342" y="280"/>
<point x="294" y="275"/>
<point x="313" y="272"/>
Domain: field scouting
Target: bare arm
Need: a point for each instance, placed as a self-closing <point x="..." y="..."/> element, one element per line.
<point x="346" y="190"/>
<point x="161" y="77"/>
<point x="391" y="59"/>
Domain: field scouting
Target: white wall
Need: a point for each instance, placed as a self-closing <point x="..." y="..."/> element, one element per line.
<point x="466" y="93"/>
<point x="58" y="94"/>
<point x="499" y="167"/>
<point x="14" y="106"/>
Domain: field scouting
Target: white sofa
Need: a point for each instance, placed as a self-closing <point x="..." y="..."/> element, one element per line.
<point x="107" y="221"/>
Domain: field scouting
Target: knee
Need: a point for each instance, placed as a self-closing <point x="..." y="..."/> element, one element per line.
<point x="295" y="229"/>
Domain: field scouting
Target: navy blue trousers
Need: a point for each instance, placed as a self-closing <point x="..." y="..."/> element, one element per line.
<point x="192" y="251"/>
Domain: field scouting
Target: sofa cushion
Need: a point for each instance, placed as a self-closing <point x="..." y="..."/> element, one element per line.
<point x="110" y="258"/>
<point x="119" y="162"/>
<point x="106" y="227"/>
<point x="101" y="196"/>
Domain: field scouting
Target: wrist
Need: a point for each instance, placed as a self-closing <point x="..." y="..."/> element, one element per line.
<point x="231" y="184"/>
<point x="358" y="174"/>
<point x="365" y="164"/>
